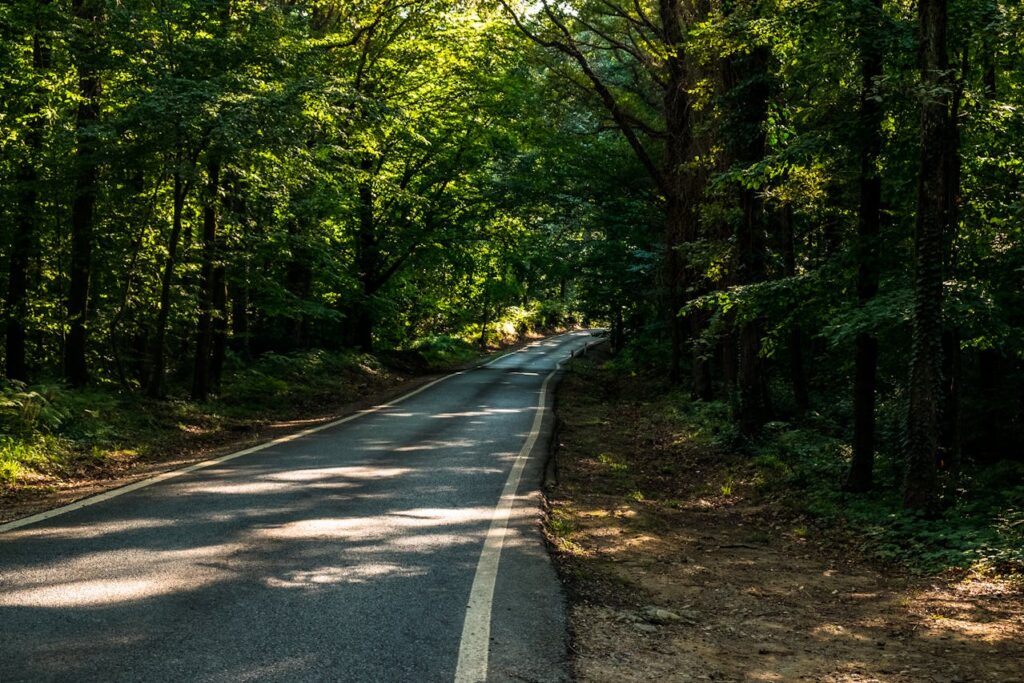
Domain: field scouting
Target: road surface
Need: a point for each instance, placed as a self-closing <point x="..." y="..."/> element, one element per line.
<point x="366" y="551"/>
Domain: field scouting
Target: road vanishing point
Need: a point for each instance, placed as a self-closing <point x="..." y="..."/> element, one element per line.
<point x="398" y="544"/>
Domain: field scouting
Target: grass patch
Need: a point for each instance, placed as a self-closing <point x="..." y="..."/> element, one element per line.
<point x="613" y="465"/>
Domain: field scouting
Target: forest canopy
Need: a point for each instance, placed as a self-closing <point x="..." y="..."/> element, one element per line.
<point x="808" y="210"/>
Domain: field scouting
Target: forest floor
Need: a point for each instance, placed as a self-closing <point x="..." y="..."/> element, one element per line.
<point x="679" y="570"/>
<point x="127" y="438"/>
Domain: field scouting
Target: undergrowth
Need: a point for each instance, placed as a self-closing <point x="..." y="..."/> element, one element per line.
<point x="444" y="350"/>
<point x="802" y="465"/>
<point x="49" y="432"/>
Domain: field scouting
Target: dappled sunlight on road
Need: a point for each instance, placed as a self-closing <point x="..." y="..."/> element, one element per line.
<point x="374" y="525"/>
<point x="484" y="411"/>
<point x="322" y="473"/>
<point x="431" y="445"/>
<point x="116" y="576"/>
<point x="96" y="530"/>
<point x="378" y="527"/>
<point x="360" y="573"/>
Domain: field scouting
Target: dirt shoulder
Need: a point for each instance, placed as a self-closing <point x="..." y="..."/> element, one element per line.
<point x="674" y="574"/>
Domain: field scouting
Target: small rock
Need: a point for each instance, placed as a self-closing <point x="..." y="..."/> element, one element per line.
<point x="646" y="628"/>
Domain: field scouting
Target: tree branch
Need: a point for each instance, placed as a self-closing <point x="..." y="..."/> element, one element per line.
<point x="568" y="47"/>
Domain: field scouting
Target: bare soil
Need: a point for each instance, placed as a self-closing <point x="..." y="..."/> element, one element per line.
<point x="675" y="577"/>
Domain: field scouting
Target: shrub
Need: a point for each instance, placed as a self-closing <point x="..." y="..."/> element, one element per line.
<point x="25" y="411"/>
<point x="442" y="350"/>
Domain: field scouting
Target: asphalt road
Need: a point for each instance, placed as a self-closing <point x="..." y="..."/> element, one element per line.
<point x="349" y="554"/>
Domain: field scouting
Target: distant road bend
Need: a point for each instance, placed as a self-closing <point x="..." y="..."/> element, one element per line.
<point x="364" y="551"/>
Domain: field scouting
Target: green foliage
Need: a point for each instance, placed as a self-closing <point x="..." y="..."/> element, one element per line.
<point x="62" y="433"/>
<point x="24" y="411"/>
<point x="427" y="177"/>
<point x="442" y="351"/>
<point x="644" y="351"/>
<point x="616" y="466"/>
<point x="981" y="531"/>
<point x="369" y="155"/>
<point x="300" y="378"/>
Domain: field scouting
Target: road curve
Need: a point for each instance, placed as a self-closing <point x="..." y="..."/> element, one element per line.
<point x="346" y="555"/>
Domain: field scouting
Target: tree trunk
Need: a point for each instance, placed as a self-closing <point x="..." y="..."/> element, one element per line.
<point x="85" y="49"/>
<point x="239" y="293"/>
<point x="727" y="349"/>
<point x="158" y="363"/>
<point x="860" y="476"/>
<point x="747" y="98"/>
<point x="921" y="484"/>
<point x="24" y="239"/>
<point x="207" y="286"/>
<point x="220" y="325"/>
<point x="952" y="362"/>
<point x="701" y="370"/>
<point x="680" y="186"/>
<point x="366" y="261"/>
<point x="17" y="279"/>
<point x="952" y="371"/>
<point x="299" y="279"/>
<point x="618" y="336"/>
<point x="797" y="371"/>
<point x="989" y="76"/>
<point x="485" y="320"/>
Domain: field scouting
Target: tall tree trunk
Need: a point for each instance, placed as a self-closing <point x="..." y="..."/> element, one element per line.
<point x="299" y="281"/>
<point x="238" y="291"/>
<point x="207" y="285"/>
<point x="220" y="325"/>
<point x="729" y="361"/>
<point x="748" y="89"/>
<point x="485" y="320"/>
<point x="24" y="239"/>
<point x="703" y="389"/>
<point x="158" y="362"/>
<point x="22" y="242"/>
<point x="860" y="476"/>
<point x="681" y="187"/>
<point x="86" y="49"/>
<point x="367" y="261"/>
<point x="618" y="334"/>
<point x="989" y="67"/>
<point x="141" y="220"/>
<point x="921" y="484"/>
<point x="797" y="371"/>
<point x="952" y="361"/>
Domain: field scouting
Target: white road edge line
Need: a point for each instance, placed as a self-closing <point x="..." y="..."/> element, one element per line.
<point x="114" y="493"/>
<point x="474" y="646"/>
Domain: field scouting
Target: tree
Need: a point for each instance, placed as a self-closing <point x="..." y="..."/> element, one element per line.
<point x="23" y="242"/>
<point x="921" y="485"/>
<point x="87" y="51"/>
<point x="871" y="47"/>
<point x="655" y="43"/>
